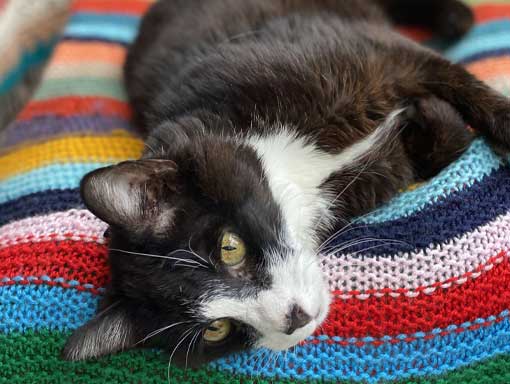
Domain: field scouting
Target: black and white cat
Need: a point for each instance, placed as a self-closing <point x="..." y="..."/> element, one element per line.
<point x="269" y="125"/>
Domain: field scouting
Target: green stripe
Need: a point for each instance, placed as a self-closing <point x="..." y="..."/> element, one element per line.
<point x="34" y="358"/>
<point x="81" y="86"/>
<point x="480" y="2"/>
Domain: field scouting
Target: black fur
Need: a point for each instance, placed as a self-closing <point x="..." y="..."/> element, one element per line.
<point x="204" y="73"/>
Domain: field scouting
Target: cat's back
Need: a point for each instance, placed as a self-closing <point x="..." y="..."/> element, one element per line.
<point x="186" y="48"/>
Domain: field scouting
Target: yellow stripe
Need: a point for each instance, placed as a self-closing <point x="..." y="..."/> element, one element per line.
<point x="112" y="148"/>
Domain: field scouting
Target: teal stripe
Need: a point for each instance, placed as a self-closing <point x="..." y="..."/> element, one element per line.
<point x="109" y="27"/>
<point x="476" y="163"/>
<point x="57" y="176"/>
<point x="81" y="86"/>
<point x="484" y="37"/>
<point x="28" y="60"/>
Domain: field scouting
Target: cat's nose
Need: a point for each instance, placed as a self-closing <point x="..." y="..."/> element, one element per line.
<point x="297" y="318"/>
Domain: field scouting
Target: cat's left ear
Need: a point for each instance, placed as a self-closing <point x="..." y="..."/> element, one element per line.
<point x="133" y="194"/>
<point x="111" y="330"/>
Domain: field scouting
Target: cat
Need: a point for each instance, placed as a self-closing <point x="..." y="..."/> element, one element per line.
<point x="269" y="125"/>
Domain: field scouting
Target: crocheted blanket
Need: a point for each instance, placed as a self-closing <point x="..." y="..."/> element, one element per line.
<point x="431" y="307"/>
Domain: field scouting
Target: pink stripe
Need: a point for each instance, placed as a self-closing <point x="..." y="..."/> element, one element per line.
<point x="78" y="225"/>
<point x="412" y="274"/>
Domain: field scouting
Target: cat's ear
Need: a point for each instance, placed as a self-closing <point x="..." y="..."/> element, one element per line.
<point x="132" y="194"/>
<point x="111" y="330"/>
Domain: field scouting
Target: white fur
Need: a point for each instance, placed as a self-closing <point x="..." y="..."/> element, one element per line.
<point x="295" y="169"/>
<point x="297" y="279"/>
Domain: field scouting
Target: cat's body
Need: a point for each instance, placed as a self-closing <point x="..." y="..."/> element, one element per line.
<point x="270" y="123"/>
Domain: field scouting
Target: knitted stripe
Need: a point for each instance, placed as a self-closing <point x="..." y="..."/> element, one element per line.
<point x="485" y="55"/>
<point x="489" y="12"/>
<point x="421" y="272"/>
<point x="490" y="67"/>
<point x="49" y="127"/>
<point x="40" y="203"/>
<point x="474" y="207"/>
<point x="113" y="28"/>
<point x="109" y="88"/>
<point x="52" y="177"/>
<point x="370" y="364"/>
<point x="70" y="260"/>
<point x="150" y="368"/>
<point x="60" y="72"/>
<point x="485" y="37"/>
<point x="111" y="6"/>
<point x="34" y="307"/>
<point x="379" y="316"/>
<point x="85" y="51"/>
<point x="93" y="148"/>
<point x="71" y="106"/>
<point x="78" y="225"/>
<point x="477" y="162"/>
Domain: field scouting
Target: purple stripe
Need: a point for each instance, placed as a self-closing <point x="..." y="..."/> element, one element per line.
<point x="44" y="127"/>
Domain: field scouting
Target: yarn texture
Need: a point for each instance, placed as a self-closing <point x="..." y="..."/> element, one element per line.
<point x="423" y="297"/>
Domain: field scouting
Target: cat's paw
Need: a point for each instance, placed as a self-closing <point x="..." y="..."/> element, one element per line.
<point x="454" y="19"/>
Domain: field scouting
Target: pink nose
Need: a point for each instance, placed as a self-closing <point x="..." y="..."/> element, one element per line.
<point x="297" y="318"/>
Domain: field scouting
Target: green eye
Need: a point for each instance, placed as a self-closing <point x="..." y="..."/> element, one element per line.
<point x="217" y="331"/>
<point x="233" y="250"/>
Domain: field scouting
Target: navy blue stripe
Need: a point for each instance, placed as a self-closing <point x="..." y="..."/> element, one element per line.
<point x="457" y="214"/>
<point x="485" y="55"/>
<point x="40" y="203"/>
<point x="96" y="39"/>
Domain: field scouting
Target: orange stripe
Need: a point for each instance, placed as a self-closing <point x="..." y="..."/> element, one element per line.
<point x="490" y="67"/>
<point x="136" y="7"/>
<point x="81" y="51"/>
<point x="76" y="105"/>
<point x="488" y="12"/>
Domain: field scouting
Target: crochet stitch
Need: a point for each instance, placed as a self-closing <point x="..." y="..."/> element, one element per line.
<point x="421" y="287"/>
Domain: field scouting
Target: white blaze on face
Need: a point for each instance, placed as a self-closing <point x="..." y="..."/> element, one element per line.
<point x="296" y="280"/>
<point x="295" y="170"/>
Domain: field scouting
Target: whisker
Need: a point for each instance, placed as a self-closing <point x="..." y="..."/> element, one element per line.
<point x="159" y="256"/>
<point x="157" y="331"/>
<point x="194" y="253"/>
<point x="186" y="334"/>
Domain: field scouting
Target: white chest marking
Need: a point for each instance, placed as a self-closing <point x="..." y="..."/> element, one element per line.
<point x="296" y="169"/>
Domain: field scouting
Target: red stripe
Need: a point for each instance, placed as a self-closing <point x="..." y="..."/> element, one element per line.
<point x="488" y="12"/>
<point x="70" y="260"/>
<point x="487" y="295"/>
<point x="134" y="7"/>
<point x="75" y="105"/>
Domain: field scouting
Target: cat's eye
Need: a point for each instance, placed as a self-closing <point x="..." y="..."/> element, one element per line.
<point x="232" y="248"/>
<point x="217" y="331"/>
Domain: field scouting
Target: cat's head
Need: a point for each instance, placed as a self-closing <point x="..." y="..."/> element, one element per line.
<point x="203" y="262"/>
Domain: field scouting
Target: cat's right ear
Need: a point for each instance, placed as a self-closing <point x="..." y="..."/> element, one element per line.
<point x="132" y="194"/>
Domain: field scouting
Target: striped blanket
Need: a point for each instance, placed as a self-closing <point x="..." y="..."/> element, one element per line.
<point x="433" y="307"/>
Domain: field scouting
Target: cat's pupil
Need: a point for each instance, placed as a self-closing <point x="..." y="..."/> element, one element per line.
<point x="229" y="248"/>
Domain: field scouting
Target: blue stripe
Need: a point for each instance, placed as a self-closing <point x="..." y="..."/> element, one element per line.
<point x="37" y="307"/>
<point x="473" y="207"/>
<point x="485" y="55"/>
<point x="372" y="364"/>
<point x="28" y="60"/>
<point x="484" y="37"/>
<point x="40" y="203"/>
<point x="476" y="163"/>
<point x="118" y="28"/>
<point x="56" y="176"/>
